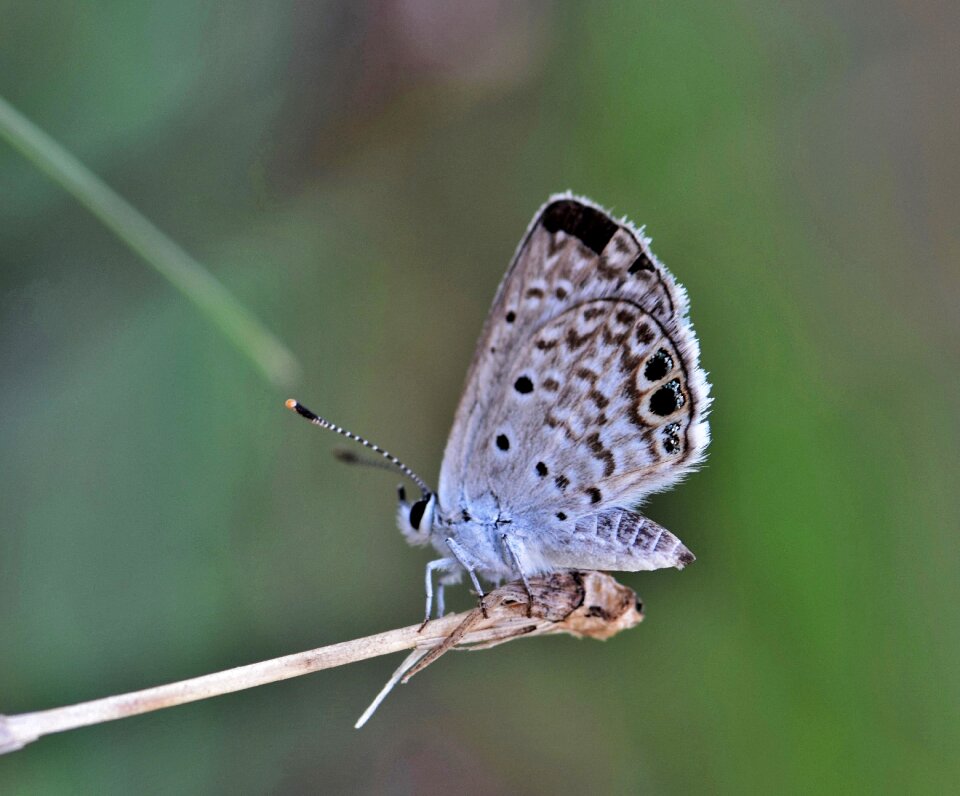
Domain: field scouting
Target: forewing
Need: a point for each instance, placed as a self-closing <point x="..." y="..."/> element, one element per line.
<point x="585" y="391"/>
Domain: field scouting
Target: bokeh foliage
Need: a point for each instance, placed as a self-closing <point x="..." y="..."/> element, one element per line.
<point x="358" y="175"/>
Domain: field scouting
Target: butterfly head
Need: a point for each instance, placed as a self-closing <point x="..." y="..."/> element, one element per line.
<point x="416" y="518"/>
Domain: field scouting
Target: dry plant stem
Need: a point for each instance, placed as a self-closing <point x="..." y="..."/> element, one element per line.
<point x="579" y="603"/>
<point x="17" y="731"/>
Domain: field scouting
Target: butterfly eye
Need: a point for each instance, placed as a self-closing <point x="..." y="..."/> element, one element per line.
<point x="416" y="513"/>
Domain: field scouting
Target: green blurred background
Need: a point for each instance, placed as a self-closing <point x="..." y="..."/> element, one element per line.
<point x="358" y="174"/>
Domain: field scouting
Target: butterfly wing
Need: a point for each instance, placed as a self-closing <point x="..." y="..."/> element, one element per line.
<point x="615" y="539"/>
<point x="585" y="392"/>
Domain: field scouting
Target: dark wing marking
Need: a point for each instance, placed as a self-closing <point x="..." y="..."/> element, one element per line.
<point x="583" y="312"/>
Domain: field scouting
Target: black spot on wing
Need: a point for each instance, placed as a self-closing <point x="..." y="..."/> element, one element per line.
<point x="591" y="227"/>
<point x="523" y="385"/>
<point x="658" y="366"/>
<point x="671" y="437"/>
<point x="642" y="263"/>
<point x="667" y="399"/>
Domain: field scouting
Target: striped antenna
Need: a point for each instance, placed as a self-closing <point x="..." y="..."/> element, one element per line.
<point x="301" y="410"/>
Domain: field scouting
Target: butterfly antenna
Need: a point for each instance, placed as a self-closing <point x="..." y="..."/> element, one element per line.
<point x="301" y="410"/>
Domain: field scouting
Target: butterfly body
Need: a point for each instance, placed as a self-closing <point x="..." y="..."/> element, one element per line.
<point x="585" y="394"/>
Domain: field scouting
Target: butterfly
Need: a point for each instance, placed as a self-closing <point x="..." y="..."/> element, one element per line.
<point x="585" y="395"/>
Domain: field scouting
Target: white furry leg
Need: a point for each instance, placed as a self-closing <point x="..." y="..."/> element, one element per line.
<point x="441" y="564"/>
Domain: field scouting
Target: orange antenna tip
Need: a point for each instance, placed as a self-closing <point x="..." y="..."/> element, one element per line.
<point x="290" y="403"/>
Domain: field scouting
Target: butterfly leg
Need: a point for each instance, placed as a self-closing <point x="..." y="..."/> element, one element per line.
<point x="440" y="563"/>
<point x="441" y="608"/>
<point x="467" y="562"/>
<point x="513" y="548"/>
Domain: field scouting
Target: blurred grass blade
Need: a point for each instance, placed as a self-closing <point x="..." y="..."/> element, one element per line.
<point x="270" y="356"/>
